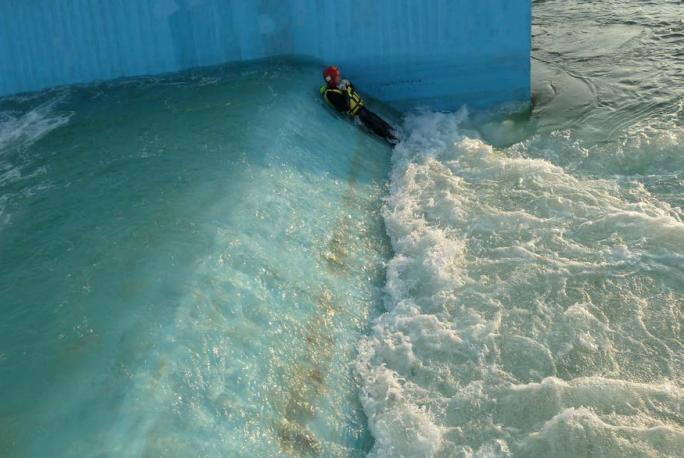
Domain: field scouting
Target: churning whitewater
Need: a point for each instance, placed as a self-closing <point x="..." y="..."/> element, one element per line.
<point x="534" y="300"/>
<point x="531" y="312"/>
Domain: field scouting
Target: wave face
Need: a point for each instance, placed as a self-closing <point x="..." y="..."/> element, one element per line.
<point x="534" y="301"/>
<point x="187" y="264"/>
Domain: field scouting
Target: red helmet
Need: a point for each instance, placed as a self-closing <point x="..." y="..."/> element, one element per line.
<point x="330" y="74"/>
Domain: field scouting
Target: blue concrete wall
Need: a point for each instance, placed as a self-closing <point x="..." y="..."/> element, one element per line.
<point x="436" y="53"/>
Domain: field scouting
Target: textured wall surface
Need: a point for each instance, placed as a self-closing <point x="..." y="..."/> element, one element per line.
<point x="436" y="53"/>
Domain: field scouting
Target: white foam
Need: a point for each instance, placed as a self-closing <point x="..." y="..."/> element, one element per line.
<point x="580" y="432"/>
<point x="523" y="302"/>
<point x="24" y="129"/>
<point x="18" y="131"/>
<point x="400" y="427"/>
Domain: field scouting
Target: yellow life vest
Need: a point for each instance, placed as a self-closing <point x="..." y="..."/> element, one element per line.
<point x="355" y="102"/>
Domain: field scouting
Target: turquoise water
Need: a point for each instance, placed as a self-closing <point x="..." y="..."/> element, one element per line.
<point x="187" y="268"/>
<point x="214" y="264"/>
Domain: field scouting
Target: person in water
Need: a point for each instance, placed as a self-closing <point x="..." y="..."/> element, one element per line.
<point x="342" y="96"/>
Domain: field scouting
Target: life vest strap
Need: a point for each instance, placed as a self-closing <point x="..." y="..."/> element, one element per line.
<point x="355" y="101"/>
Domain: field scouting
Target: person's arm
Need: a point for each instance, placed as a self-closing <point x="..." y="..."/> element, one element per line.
<point x="345" y="85"/>
<point x="338" y="101"/>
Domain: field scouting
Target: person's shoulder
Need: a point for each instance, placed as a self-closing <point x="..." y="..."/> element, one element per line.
<point x="333" y="90"/>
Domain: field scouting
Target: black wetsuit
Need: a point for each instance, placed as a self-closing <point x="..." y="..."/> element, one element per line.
<point x="342" y="102"/>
